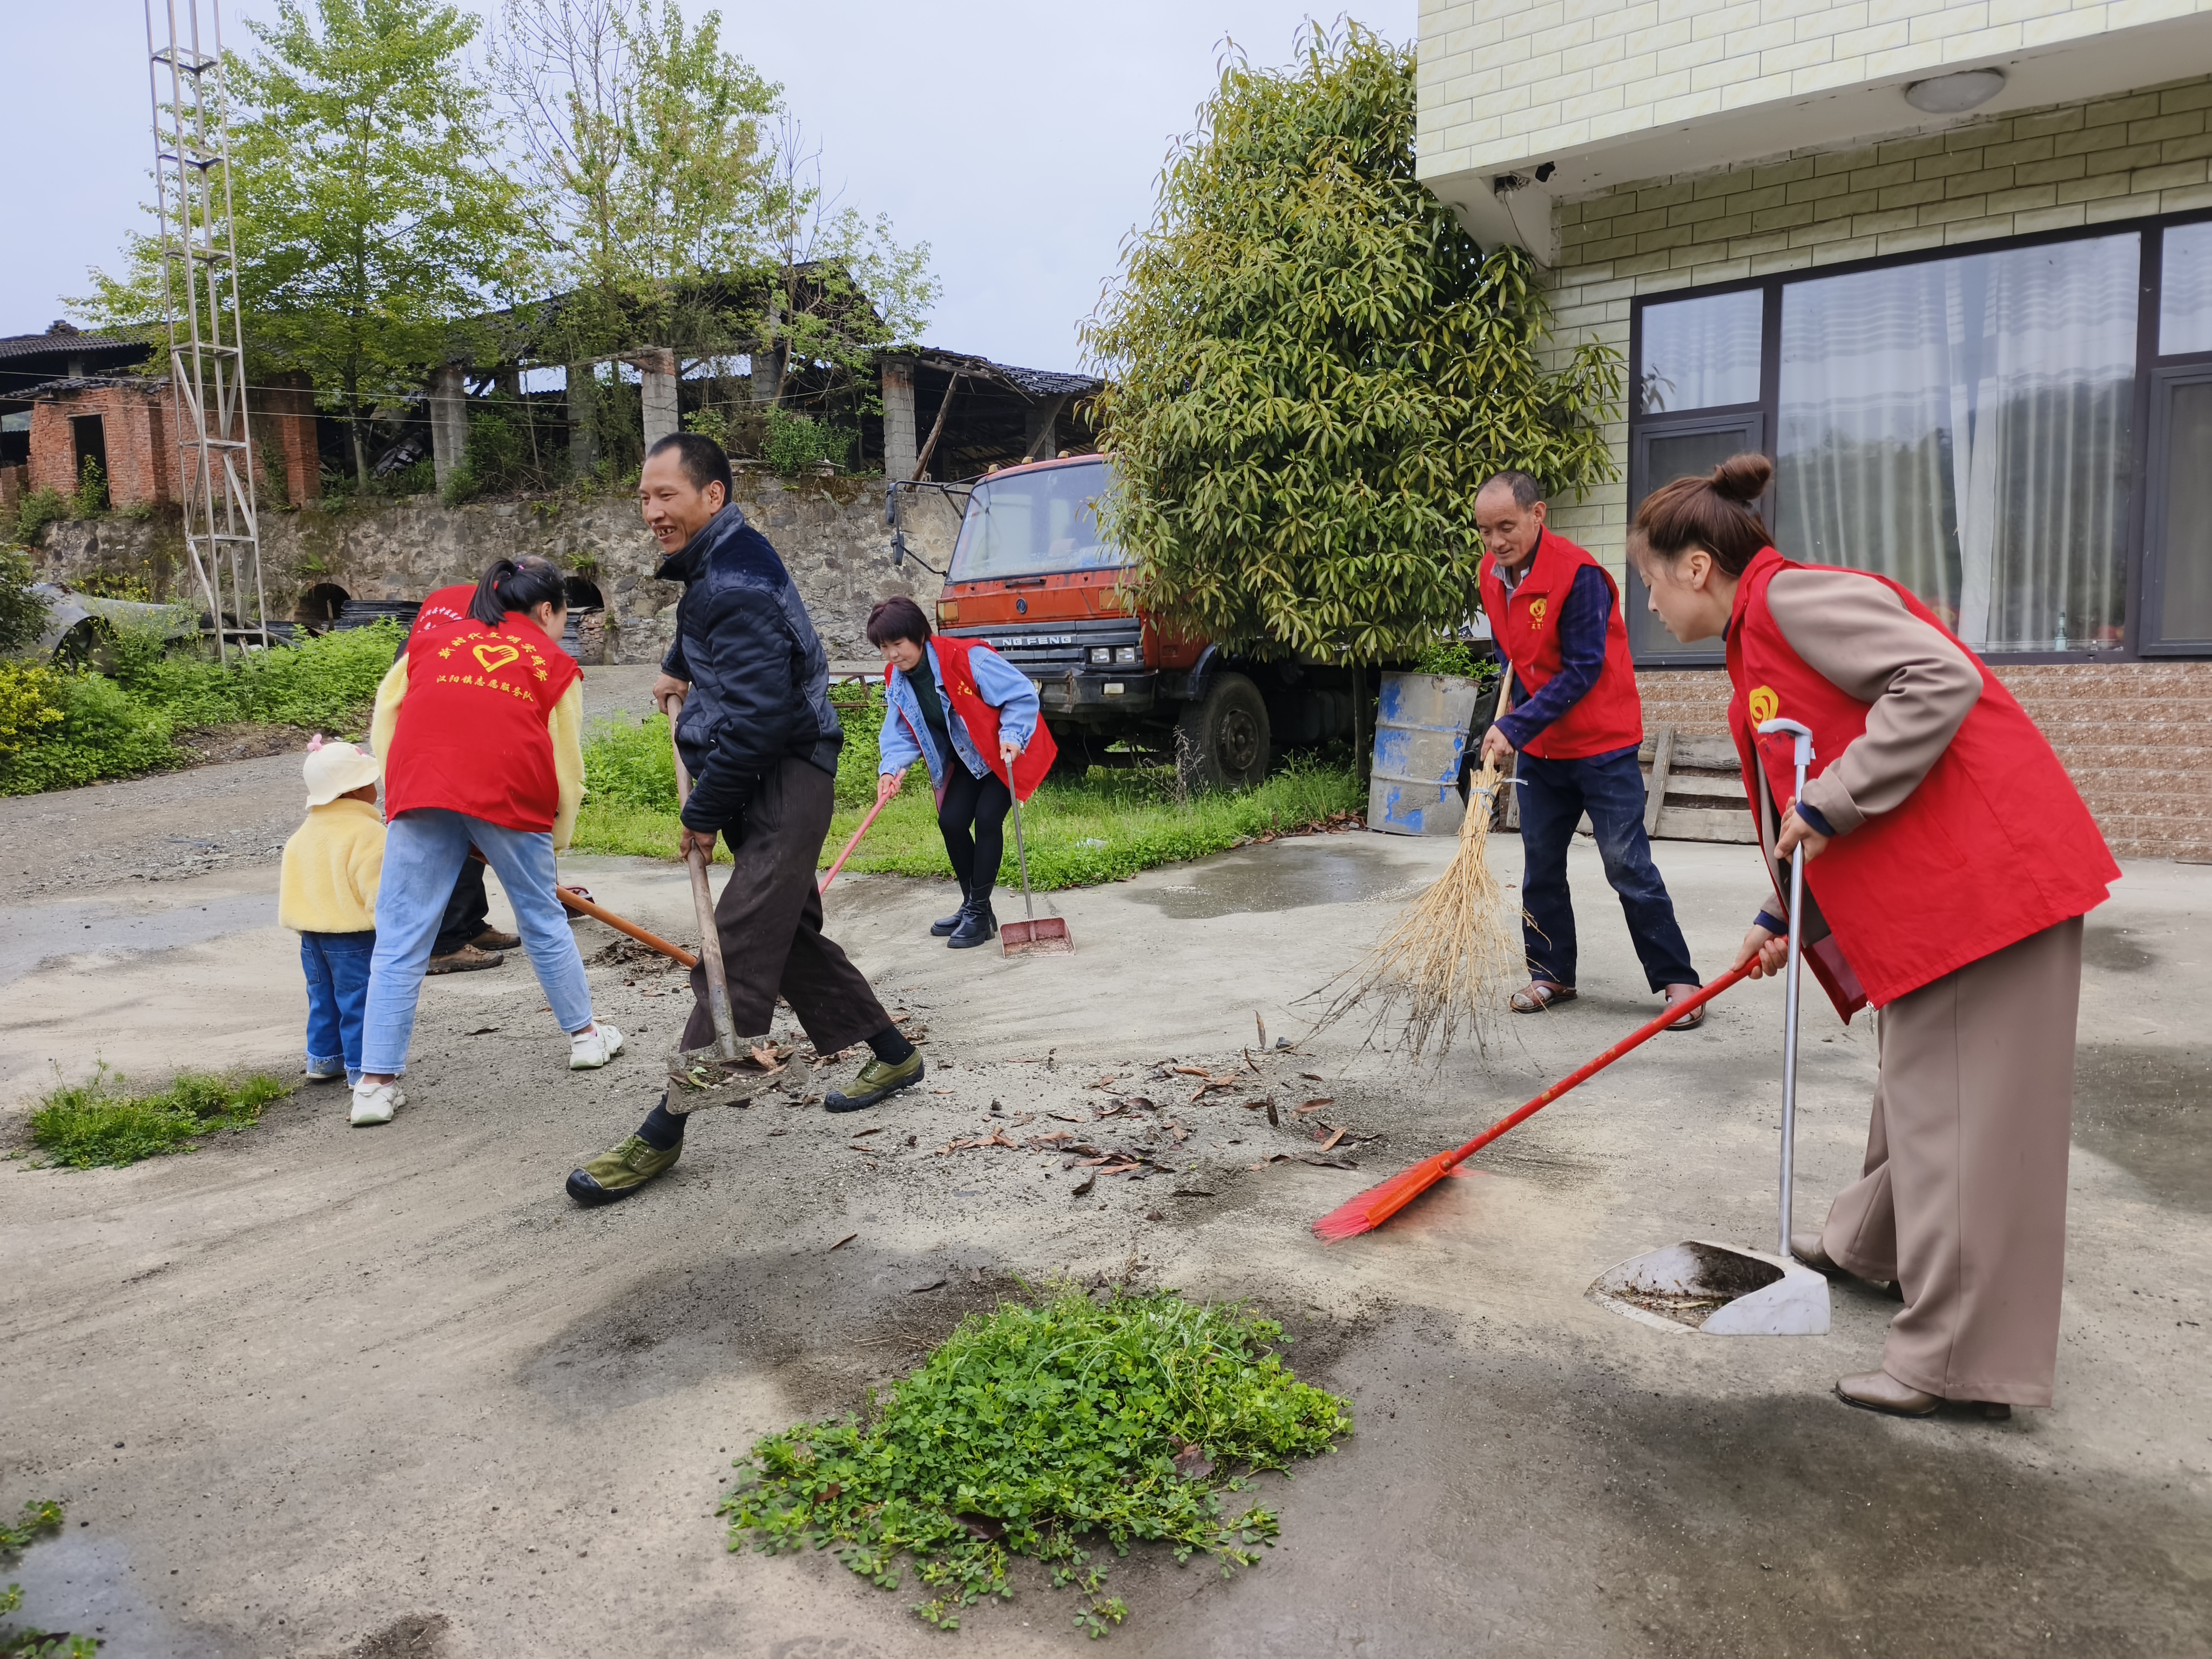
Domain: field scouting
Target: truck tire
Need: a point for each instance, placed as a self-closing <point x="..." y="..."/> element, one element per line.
<point x="1222" y="740"/>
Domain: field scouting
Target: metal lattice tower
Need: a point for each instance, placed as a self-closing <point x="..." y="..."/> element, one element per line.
<point x="207" y="345"/>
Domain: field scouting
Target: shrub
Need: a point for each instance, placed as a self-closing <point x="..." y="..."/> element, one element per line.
<point x="631" y="765"/>
<point x="860" y="710"/>
<point x="91" y="488"/>
<point x="501" y="454"/>
<point x="26" y="707"/>
<point x="40" y="508"/>
<point x="22" y="613"/>
<point x="795" y="442"/>
<point x="329" y="682"/>
<point x="104" y="732"/>
<point x="84" y="1126"/>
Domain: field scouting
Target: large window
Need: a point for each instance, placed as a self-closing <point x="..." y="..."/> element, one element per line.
<point x="2020" y="436"/>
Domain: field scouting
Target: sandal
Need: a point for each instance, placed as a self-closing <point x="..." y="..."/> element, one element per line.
<point x="1695" y="1017"/>
<point x="1539" y="994"/>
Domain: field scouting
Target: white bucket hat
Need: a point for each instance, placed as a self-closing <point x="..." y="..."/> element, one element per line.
<point x="335" y="768"/>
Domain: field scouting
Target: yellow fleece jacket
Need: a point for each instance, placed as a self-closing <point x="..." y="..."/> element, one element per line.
<point x="565" y="725"/>
<point x="331" y="866"/>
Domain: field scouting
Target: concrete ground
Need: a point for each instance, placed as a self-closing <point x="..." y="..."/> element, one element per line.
<point x="315" y="1390"/>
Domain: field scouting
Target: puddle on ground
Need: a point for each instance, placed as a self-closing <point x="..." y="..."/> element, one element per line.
<point x="2116" y="950"/>
<point x="2149" y="1110"/>
<point x="1290" y="876"/>
<point x="88" y="1585"/>
<point x="32" y="935"/>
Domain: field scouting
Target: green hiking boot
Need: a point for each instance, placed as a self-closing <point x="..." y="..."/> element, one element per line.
<point x="877" y="1081"/>
<point x="621" y="1172"/>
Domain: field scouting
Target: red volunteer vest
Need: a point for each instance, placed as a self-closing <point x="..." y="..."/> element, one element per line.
<point x="1610" y="716"/>
<point x="1994" y="845"/>
<point x="982" y="720"/>
<point x="471" y="734"/>
<point x="443" y="608"/>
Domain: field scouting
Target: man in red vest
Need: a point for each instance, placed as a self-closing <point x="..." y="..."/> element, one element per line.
<point x="1577" y="722"/>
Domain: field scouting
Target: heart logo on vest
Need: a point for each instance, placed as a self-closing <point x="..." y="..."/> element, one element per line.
<point x="493" y="658"/>
<point x="1537" y="607"/>
<point x="1765" y="705"/>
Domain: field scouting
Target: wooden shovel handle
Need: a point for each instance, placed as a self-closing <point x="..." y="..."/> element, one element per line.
<point x="584" y="907"/>
<point x="710" y="936"/>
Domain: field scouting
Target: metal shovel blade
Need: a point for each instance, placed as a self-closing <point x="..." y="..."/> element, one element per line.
<point x="1722" y="1290"/>
<point x="1041" y="936"/>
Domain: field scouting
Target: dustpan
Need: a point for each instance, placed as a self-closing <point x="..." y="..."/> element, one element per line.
<point x="1038" y="935"/>
<point x="1730" y="1289"/>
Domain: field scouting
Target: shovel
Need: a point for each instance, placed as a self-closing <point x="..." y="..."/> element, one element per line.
<point x="1727" y="1290"/>
<point x="1045" y="937"/>
<point x="710" y="936"/>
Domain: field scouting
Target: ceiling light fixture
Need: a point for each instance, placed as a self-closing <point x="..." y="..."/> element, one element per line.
<point x="1955" y="94"/>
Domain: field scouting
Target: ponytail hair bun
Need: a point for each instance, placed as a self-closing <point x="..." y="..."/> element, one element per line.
<point x="1714" y="513"/>
<point x="1743" y="479"/>
<point x="522" y="584"/>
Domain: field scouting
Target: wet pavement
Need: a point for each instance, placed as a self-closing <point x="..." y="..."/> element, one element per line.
<point x="385" y="1392"/>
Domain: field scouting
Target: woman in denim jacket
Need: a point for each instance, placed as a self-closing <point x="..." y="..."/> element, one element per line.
<point x="972" y="718"/>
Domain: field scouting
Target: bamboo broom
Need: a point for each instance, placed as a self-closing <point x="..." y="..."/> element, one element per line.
<point x="1452" y="956"/>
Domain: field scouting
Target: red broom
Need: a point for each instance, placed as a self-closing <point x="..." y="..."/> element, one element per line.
<point x="1371" y="1208"/>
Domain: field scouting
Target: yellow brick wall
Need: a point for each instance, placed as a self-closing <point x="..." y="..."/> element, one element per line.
<point x="2091" y="163"/>
<point x="1504" y="79"/>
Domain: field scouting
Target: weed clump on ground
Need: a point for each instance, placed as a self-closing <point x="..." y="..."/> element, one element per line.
<point x="1036" y="1428"/>
<point x="37" y="1519"/>
<point x="95" y="1124"/>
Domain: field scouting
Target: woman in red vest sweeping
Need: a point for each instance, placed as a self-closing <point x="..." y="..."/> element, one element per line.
<point x="485" y="751"/>
<point x="1577" y="724"/>
<point x="1949" y="861"/>
<point x="972" y="718"/>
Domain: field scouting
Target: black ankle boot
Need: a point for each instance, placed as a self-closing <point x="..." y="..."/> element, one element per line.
<point x="977" y="924"/>
<point x="945" y="925"/>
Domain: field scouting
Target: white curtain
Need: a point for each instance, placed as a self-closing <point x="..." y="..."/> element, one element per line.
<point x="1964" y="426"/>
<point x="1701" y="353"/>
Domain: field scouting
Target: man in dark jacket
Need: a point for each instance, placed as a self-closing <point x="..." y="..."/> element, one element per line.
<point x="748" y="685"/>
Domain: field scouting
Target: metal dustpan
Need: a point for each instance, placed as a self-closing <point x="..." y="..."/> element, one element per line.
<point x="1038" y="935"/>
<point x="1729" y="1290"/>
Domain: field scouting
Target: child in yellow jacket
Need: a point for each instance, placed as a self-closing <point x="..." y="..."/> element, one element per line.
<point x="327" y="894"/>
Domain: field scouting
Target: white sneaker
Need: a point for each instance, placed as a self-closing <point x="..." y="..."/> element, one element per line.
<point x="374" y="1102"/>
<point x="590" y="1049"/>
<point x="331" y="1076"/>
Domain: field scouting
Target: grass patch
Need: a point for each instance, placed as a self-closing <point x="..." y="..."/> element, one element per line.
<point x="1107" y="826"/>
<point x="1037" y="1429"/>
<point x="96" y="1124"/>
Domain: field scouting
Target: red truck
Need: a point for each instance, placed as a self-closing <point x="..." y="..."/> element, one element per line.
<point x="1032" y="578"/>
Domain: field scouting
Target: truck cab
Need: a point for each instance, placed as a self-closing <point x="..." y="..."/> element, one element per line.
<point x="1032" y="577"/>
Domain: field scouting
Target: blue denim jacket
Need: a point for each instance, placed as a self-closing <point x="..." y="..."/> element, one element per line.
<point x="906" y="738"/>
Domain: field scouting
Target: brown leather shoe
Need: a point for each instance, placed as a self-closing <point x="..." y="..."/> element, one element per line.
<point x="1539" y="994"/>
<point x="1878" y="1391"/>
<point x="1808" y="1250"/>
<point x="1695" y="1017"/>
<point x="492" y="940"/>
<point x="466" y="960"/>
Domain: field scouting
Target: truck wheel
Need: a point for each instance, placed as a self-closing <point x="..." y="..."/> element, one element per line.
<point x="1221" y="742"/>
<point x="1071" y="761"/>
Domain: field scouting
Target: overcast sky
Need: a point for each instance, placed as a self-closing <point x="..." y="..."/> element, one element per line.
<point x="1021" y="141"/>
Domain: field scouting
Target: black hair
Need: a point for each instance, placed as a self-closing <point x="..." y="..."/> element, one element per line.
<point x="522" y="584"/>
<point x="898" y="618"/>
<point x="702" y="459"/>
<point x="1527" y="492"/>
<point x="1713" y="511"/>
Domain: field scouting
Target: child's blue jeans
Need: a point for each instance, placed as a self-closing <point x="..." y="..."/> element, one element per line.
<point x="422" y="854"/>
<point x="337" y="966"/>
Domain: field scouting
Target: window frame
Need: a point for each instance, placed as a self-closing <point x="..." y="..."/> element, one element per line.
<point x="2140" y="554"/>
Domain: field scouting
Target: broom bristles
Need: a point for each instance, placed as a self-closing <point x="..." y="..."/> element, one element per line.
<point x="1371" y="1208"/>
<point x="1450" y="956"/>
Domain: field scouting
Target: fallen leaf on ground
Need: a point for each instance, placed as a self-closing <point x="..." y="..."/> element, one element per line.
<point x="1274" y="1118"/>
<point x="1326" y="1162"/>
<point x="1333" y="1139"/>
<point x="934" y="1285"/>
<point x="1102" y="1083"/>
<point x="1255" y="1105"/>
<point x="1315" y="1105"/>
<point x="842" y="1242"/>
<point x="483" y="1031"/>
<point x="1190" y="1192"/>
<point x="1311" y="1077"/>
<point x="1062" y="1117"/>
<point x="858" y="1133"/>
<point x="1082" y="1187"/>
<point x="1193" y="1464"/>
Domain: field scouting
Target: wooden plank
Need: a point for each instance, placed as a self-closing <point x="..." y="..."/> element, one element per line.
<point x="1702" y="754"/>
<point x="1707" y="823"/>
<point x="1692" y="790"/>
<point x="1655" y="789"/>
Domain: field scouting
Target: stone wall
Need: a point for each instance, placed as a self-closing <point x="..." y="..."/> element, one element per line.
<point x="830" y="532"/>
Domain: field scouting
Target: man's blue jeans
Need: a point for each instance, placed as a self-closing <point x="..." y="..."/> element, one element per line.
<point x="1554" y="795"/>
<point x="423" y="853"/>
<point x="337" y="967"/>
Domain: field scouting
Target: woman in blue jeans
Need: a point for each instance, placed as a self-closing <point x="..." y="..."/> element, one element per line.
<point x="480" y="726"/>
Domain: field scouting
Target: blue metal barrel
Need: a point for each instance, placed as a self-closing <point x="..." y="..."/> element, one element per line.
<point x="1420" y="735"/>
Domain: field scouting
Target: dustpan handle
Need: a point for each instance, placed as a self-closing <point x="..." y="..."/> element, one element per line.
<point x="1804" y="759"/>
<point x="1021" y="852"/>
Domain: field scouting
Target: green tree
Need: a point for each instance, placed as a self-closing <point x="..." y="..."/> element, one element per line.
<point x="1313" y="368"/>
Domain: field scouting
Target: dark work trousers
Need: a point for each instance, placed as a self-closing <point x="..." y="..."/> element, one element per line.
<point x="982" y="803"/>
<point x="466" y="912"/>
<point x="769" y="917"/>
<point x="1554" y="795"/>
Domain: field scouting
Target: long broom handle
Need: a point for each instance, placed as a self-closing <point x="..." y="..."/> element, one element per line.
<point x="584" y="907"/>
<point x="1635" y="1040"/>
<point x="850" y="845"/>
<point x="710" y="936"/>
<point x="1021" y="852"/>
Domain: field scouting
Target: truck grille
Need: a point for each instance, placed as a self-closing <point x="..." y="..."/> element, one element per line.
<point x="1049" y="649"/>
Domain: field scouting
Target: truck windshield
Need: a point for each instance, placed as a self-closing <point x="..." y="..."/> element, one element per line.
<point x="1035" y="523"/>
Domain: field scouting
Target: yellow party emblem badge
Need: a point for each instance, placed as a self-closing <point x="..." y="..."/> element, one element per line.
<point x="1537" y="607"/>
<point x="493" y="658"/>
<point x="1765" y="705"/>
